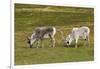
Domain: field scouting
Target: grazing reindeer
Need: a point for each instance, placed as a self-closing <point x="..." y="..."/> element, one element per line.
<point x="76" y="34"/>
<point x="41" y="33"/>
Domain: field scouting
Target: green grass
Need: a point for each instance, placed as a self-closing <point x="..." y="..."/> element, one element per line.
<point x="27" y="17"/>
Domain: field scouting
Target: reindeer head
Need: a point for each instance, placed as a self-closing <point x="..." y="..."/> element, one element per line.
<point x="68" y="40"/>
<point x="31" y="40"/>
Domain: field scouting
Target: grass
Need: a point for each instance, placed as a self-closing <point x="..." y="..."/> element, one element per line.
<point x="27" y="17"/>
<point x="50" y="55"/>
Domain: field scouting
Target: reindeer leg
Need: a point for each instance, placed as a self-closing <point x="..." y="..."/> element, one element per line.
<point x="42" y="45"/>
<point x="53" y="42"/>
<point x="88" y="41"/>
<point x="76" y="43"/>
<point x="38" y="42"/>
<point x="50" y="41"/>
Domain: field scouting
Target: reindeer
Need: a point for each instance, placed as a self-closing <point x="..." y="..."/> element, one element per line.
<point x="41" y="33"/>
<point x="76" y="34"/>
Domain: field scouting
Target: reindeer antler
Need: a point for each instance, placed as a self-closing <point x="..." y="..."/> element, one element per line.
<point x="26" y="36"/>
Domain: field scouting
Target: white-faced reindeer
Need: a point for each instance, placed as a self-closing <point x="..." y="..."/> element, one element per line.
<point x="41" y="33"/>
<point x="76" y="34"/>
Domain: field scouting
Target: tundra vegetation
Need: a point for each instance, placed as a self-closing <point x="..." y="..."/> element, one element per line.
<point x="28" y="17"/>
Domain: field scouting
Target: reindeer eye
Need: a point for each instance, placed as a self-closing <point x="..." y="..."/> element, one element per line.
<point x="67" y="42"/>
